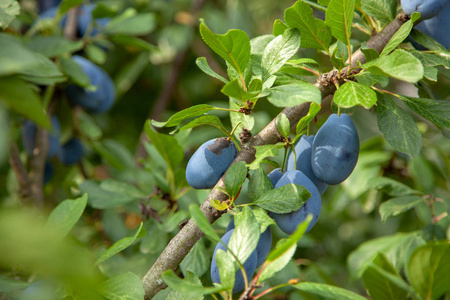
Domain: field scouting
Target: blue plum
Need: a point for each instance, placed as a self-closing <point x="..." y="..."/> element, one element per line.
<point x="435" y="27"/>
<point x="275" y="175"/>
<point x="48" y="172"/>
<point x="45" y="5"/>
<point x="289" y="222"/>
<point x="39" y="290"/>
<point x="335" y="149"/>
<point x="85" y="20"/>
<point x="71" y="152"/>
<point x="303" y="152"/>
<point x="427" y="8"/>
<point x="249" y="266"/>
<point x="29" y="131"/>
<point x="264" y="243"/>
<point x="209" y="163"/>
<point x="97" y="101"/>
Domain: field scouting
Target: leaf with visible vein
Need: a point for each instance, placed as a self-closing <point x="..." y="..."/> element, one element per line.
<point x="234" y="46"/>
<point x="434" y="110"/>
<point x="352" y="93"/>
<point x="398" y="127"/>
<point x="314" y="33"/>
<point x="339" y="18"/>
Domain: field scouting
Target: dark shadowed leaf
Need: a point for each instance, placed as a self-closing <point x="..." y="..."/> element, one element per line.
<point x="398" y="127"/>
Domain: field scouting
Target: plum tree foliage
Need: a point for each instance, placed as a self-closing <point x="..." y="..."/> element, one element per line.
<point x="325" y="129"/>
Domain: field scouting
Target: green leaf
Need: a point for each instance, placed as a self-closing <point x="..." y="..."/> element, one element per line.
<point x="186" y="287"/>
<point x="263" y="219"/>
<point x="96" y="54"/>
<point x="245" y="236"/>
<point x="166" y="145"/>
<point x="121" y="245"/>
<point x="314" y="109"/>
<point x="14" y="58"/>
<point x="380" y="280"/>
<point x="227" y="269"/>
<point x="382" y="10"/>
<point x="279" y="27"/>
<point x="64" y="216"/>
<point x="234" y="178"/>
<point x="129" y="74"/>
<point x="206" y="120"/>
<point x="400" y="64"/>
<point x="53" y="46"/>
<point x="285" y="199"/>
<point x="339" y="18"/>
<point x="21" y="97"/>
<point x="328" y="291"/>
<point x="428" y="269"/>
<point x="434" y="110"/>
<point x="369" y="53"/>
<point x="122" y="287"/>
<point x="279" y="51"/>
<point x="294" y="94"/>
<point x="177" y="118"/>
<point x="400" y="35"/>
<point x="392" y="187"/>
<point x="352" y="93"/>
<point x="203" y="223"/>
<point x="124" y="188"/>
<point x="65" y="5"/>
<point x="203" y="65"/>
<point x="88" y="126"/>
<point x="393" y="246"/>
<point x="283" y="125"/>
<point x="261" y="153"/>
<point x="9" y="9"/>
<point x="234" y="89"/>
<point x="233" y="47"/>
<point x="74" y="71"/>
<point x="258" y="184"/>
<point x="398" y="127"/>
<point x="427" y="41"/>
<point x="131" y="23"/>
<point x="293" y="239"/>
<point x="131" y="41"/>
<point x="279" y="263"/>
<point x="259" y="43"/>
<point x="102" y="199"/>
<point x="314" y="33"/>
<point x="397" y="206"/>
<point x="368" y="79"/>
<point x="198" y="260"/>
<point x="179" y="295"/>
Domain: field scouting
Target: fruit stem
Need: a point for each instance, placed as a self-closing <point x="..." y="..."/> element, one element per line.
<point x="284" y="159"/>
<point x="234" y="128"/>
<point x="339" y="111"/>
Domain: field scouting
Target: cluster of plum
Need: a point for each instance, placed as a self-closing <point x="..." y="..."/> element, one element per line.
<point x="97" y="98"/>
<point x="435" y="15"/>
<point x="321" y="160"/>
<point x="49" y="9"/>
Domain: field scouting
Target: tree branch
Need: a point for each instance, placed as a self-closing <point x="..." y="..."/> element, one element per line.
<point x="37" y="166"/>
<point x="16" y="163"/>
<point x="183" y="242"/>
